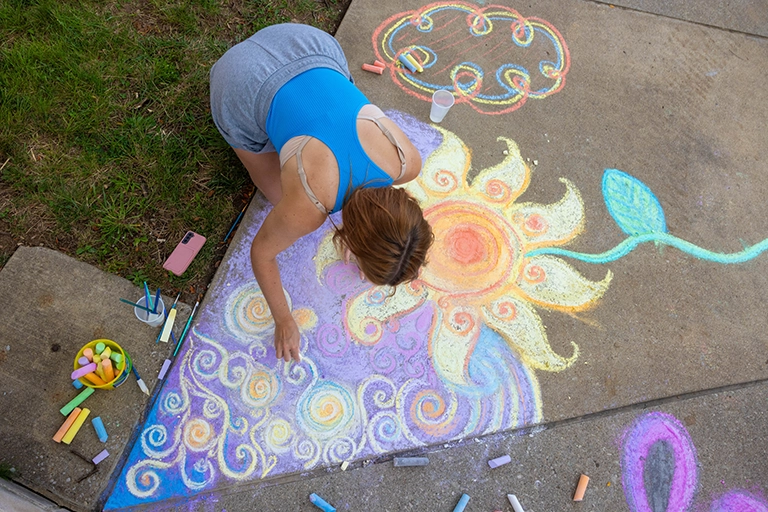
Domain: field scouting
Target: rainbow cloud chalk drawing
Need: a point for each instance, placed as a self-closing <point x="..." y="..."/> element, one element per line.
<point x="490" y="57"/>
<point x="660" y="469"/>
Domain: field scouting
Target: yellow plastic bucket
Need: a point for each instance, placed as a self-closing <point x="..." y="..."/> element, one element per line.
<point x="121" y="370"/>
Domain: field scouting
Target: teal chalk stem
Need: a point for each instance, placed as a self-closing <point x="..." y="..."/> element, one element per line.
<point x="629" y="244"/>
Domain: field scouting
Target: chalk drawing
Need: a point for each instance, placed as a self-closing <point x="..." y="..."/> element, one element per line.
<point x="491" y="57"/>
<point x="660" y="469"/>
<point x="638" y="213"/>
<point x="450" y="356"/>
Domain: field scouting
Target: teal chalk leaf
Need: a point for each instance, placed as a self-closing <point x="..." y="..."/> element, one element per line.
<point x="632" y="204"/>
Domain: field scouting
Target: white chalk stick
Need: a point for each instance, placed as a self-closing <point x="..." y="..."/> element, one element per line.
<point x="515" y="504"/>
<point x="344" y="465"/>
<point x="164" y="369"/>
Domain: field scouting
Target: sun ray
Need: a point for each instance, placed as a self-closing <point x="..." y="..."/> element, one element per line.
<point x="504" y="182"/>
<point x="554" y="224"/>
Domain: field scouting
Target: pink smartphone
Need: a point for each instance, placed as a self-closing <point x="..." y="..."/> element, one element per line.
<point x="184" y="253"/>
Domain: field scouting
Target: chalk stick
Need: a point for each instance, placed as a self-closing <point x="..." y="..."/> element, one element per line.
<point x="109" y="373"/>
<point x="100" y="372"/>
<point x="101" y="456"/>
<point x="77" y="384"/>
<point x="83" y="361"/>
<point x="344" y="465"/>
<point x="164" y="369"/>
<point x="401" y="462"/>
<point x="499" y="461"/>
<point x="83" y="370"/>
<point x="100" y="346"/>
<point x="379" y="64"/>
<point x="94" y="379"/>
<point x="117" y="358"/>
<point x="100" y="430"/>
<point x="515" y="504"/>
<point x="88" y="353"/>
<point x="414" y="63"/>
<point x="96" y="358"/>
<point x="321" y="503"/>
<point x="106" y="353"/>
<point x="80" y="398"/>
<point x="67" y="423"/>
<point x="75" y="428"/>
<point x="373" y="69"/>
<point x="462" y="504"/>
<point x="405" y="62"/>
<point x="168" y="327"/>
<point x="581" y="488"/>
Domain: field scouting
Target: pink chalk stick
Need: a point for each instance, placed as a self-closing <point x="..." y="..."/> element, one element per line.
<point x="373" y="69"/>
<point x="83" y="361"/>
<point x="164" y="369"/>
<point x="380" y="64"/>
<point x="83" y="370"/>
<point x="101" y="456"/>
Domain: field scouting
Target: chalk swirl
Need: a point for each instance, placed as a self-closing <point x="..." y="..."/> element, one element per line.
<point x="198" y="435"/>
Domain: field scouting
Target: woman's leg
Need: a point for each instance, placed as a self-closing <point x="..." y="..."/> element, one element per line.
<point x="264" y="169"/>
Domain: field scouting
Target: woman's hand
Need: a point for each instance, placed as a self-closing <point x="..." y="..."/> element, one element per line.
<point x="287" y="340"/>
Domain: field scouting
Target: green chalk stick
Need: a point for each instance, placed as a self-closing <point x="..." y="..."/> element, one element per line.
<point x="100" y="347"/>
<point x="117" y="358"/>
<point x="76" y="401"/>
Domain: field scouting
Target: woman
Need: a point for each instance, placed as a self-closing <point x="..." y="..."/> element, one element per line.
<point x="313" y="144"/>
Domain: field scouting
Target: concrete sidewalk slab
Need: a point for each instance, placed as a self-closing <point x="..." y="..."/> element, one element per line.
<point x="536" y="306"/>
<point x="50" y="306"/>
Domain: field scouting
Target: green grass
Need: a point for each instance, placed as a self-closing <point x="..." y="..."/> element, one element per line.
<point x="107" y="146"/>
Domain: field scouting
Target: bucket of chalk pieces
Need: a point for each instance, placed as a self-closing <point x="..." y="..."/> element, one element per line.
<point x="102" y="364"/>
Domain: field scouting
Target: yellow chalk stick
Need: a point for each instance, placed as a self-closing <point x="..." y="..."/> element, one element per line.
<point x="75" y="428"/>
<point x="67" y="423"/>
<point x="100" y="372"/>
<point x="415" y="63"/>
<point x="96" y="358"/>
<point x="168" y="326"/>
<point x="109" y="373"/>
<point x="94" y="379"/>
<point x="106" y="354"/>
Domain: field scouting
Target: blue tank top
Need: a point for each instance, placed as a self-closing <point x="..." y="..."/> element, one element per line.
<point x="323" y="104"/>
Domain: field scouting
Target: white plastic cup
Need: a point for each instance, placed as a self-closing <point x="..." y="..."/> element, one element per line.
<point x="442" y="101"/>
<point x="151" y="319"/>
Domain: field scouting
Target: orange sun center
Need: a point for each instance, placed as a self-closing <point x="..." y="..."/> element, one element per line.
<point x="474" y="248"/>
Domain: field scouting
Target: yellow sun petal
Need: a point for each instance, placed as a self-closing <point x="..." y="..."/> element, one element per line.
<point x="553" y="224"/>
<point x="444" y="173"/>
<point x="521" y="328"/>
<point x="367" y="313"/>
<point x="553" y="283"/>
<point x="503" y="183"/>
<point x="453" y="341"/>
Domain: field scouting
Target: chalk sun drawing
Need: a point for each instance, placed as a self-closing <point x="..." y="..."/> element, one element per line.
<point x="660" y="470"/>
<point x="479" y="274"/>
<point x="491" y="57"/>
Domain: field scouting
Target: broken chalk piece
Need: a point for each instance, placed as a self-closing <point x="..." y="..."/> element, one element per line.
<point x="94" y="379"/>
<point x="414" y="62"/>
<point x="100" y="346"/>
<point x="462" y="504"/>
<point x="100" y="430"/>
<point x="344" y="465"/>
<point x="101" y="456"/>
<point x="77" y="384"/>
<point x="499" y="461"/>
<point x="321" y="503"/>
<point x="373" y="69"/>
<point x="401" y="462"/>
<point x="83" y="370"/>
<point x="80" y="398"/>
<point x="67" y="423"/>
<point x="75" y="428"/>
<point x="164" y="369"/>
<point x="406" y="63"/>
<point x="581" y="488"/>
<point x="515" y="504"/>
<point x="379" y="64"/>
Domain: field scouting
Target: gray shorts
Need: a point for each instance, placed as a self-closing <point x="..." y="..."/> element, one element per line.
<point x="245" y="79"/>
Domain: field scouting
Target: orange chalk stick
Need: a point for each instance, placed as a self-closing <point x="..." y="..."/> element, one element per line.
<point x="109" y="373"/>
<point x="94" y="379"/>
<point x="67" y="423"/>
<point x="379" y="64"/>
<point x="373" y="69"/>
<point x="75" y="428"/>
<point x="88" y="353"/>
<point x="581" y="488"/>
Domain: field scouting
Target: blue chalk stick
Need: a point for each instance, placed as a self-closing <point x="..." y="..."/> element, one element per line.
<point x="100" y="430"/>
<point x="405" y="62"/>
<point x="321" y="503"/>
<point x="77" y="383"/>
<point x="462" y="504"/>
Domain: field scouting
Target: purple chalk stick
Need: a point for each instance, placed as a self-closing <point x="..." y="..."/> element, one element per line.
<point x="83" y="361"/>
<point x="164" y="369"/>
<point x="83" y="370"/>
<point x="101" y="456"/>
<point x="499" y="461"/>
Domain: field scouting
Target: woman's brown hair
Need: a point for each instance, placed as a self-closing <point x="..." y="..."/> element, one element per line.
<point x="385" y="229"/>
